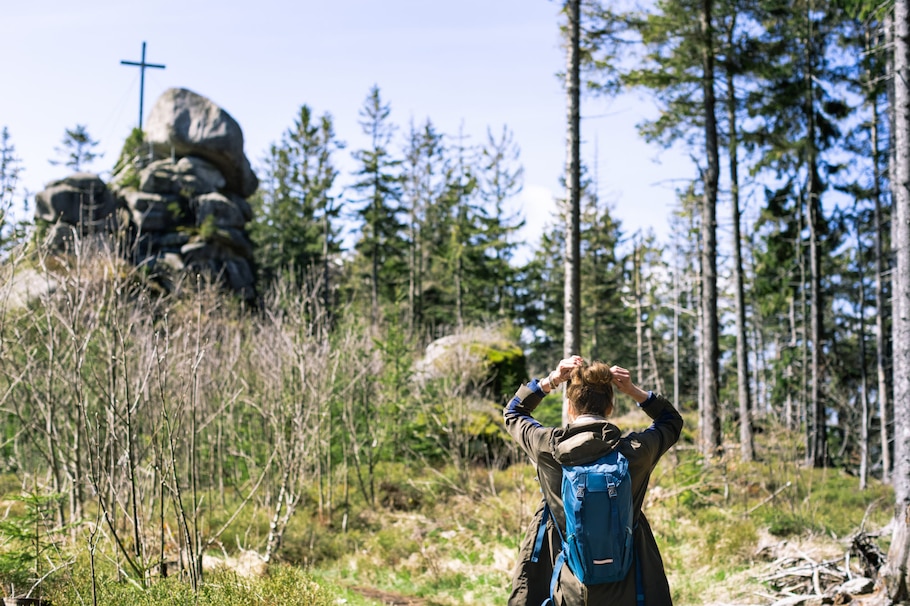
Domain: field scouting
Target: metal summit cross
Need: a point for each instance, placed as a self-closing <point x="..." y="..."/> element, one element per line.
<point x="142" y="65"/>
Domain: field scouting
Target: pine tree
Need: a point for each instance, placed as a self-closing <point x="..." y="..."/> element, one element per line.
<point x="381" y="244"/>
<point x="572" y="257"/>
<point x="738" y="59"/>
<point x="866" y="186"/>
<point x="607" y="319"/>
<point x="424" y="182"/>
<point x="499" y="180"/>
<point x="799" y="125"/>
<point x="296" y="231"/>
<point x="77" y="149"/>
<point x="10" y="169"/>
<point x="607" y="325"/>
<point x="679" y="40"/>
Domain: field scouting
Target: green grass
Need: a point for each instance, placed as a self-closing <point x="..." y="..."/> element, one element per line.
<point x="450" y="536"/>
<point x="284" y="585"/>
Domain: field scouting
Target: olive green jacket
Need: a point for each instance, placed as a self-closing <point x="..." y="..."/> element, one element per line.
<point x="583" y="442"/>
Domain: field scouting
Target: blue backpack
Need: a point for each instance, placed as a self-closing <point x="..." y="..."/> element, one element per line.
<point x="598" y="545"/>
<point x="597" y="499"/>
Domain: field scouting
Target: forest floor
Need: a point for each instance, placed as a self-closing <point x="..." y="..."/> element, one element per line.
<point x="387" y="598"/>
<point x="771" y="532"/>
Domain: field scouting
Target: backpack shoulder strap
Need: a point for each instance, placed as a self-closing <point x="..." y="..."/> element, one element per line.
<point x="639" y="586"/>
<point x="541" y="532"/>
<point x="554" y="581"/>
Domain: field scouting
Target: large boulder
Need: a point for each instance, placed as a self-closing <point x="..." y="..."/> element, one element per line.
<point x="184" y="123"/>
<point x="219" y="209"/>
<point x="188" y="176"/>
<point x="82" y="199"/>
<point x="481" y="361"/>
<point x="177" y="201"/>
<point x="19" y="287"/>
<point x="153" y="212"/>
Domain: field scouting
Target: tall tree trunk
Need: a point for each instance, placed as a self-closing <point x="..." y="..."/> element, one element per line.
<point x="864" y="379"/>
<point x="881" y="337"/>
<point x="676" y="312"/>
<point x="819" y="441"/>
<point x="414" y="272"/>
<point x="746" y="442"/>
<point x="572" y="302"/>
<point x="800" y="332"/>
<point x="459" y="290"/>
<point x="326" y="275"/>
<point x="374" y="260"/>
<point x="711" y="440"/>
<point x="895" y="573"/>
<point x="639" y="324"/>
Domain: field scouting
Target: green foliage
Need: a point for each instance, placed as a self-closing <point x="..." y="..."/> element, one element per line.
<point x="10" y="169"/>
<point x="507" y="367"/>
<point x="127" y="166"/>
<point x="295" y="213"/>
<point x="77" y="149"/>
<point x="208" y="229"/>
<point x="282" y="585"/>
<point x="30" y="541"/>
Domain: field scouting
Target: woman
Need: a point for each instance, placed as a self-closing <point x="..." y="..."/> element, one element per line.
<point x="588" y="437"/>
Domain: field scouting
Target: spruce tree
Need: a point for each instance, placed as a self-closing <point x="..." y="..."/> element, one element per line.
<point x="499" y="180"/>
<point x="680" y="49"/>
<point x="296" y="231"/>
<point x="77" y="149"/>
<point x="10" y="169"/>
<point x="381" y="245"/>
<point x="798" y="129"/>
<point x="423" y="183"/>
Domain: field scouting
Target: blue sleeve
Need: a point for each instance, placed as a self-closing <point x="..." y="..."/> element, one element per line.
<point x="521" y="425"/>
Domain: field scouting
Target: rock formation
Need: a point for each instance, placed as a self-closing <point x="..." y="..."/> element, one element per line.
<point x="180" y="196"/>
<point x="187" y="124"/>
<point x="80" y="201"/>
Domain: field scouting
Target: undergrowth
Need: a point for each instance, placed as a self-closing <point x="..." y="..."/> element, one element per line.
<point x="718" y="524"/>
<point x="450" y="536"/>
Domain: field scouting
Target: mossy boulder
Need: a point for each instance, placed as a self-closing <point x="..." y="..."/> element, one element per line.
<point x="481" y="362"/>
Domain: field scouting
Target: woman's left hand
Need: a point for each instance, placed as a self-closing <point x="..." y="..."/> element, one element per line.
<point x="564" y="369"/>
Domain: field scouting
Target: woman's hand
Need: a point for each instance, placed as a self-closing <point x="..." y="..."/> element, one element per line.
<point x="622" y="378"/>
<point x="564" y="370"/>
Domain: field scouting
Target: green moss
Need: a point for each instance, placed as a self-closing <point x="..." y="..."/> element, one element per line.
<point x="507" y="365"/>
<point x="126" y="166"/>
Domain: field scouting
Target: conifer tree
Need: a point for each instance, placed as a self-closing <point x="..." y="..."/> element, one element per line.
<point x="296" y="231"/>
<point x="381" y="244"/>
<point x="499" y="180"/>
<point x="735" y="23"/>
<point x="799" y="124"/>
<point x="679" y="42"/>
<point x="572" y="257"/>
<point x="608" y="323"/>
<point x="77" y="149"/>
<point x="10" y="169"/>
<point x="424" y="182"/>
<point x="864" y="40"/>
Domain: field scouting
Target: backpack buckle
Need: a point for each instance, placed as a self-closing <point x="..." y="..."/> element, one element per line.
<point x="611" y="490"/>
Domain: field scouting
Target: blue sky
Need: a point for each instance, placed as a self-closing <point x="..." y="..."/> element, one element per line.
<point x="471" y="65"/>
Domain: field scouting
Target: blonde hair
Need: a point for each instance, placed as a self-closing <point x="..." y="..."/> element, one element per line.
<point x="590" y="389"/>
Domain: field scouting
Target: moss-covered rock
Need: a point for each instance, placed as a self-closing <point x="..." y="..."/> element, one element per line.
<point x="479" y="361"/>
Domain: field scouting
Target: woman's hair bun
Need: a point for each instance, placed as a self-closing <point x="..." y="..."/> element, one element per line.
<point x="598" y="376"/>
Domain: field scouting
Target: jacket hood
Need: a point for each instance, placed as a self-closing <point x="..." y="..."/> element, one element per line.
<point x="586" y="442"/>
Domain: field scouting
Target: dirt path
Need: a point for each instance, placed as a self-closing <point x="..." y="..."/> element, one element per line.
<point x="388" y="599"/>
